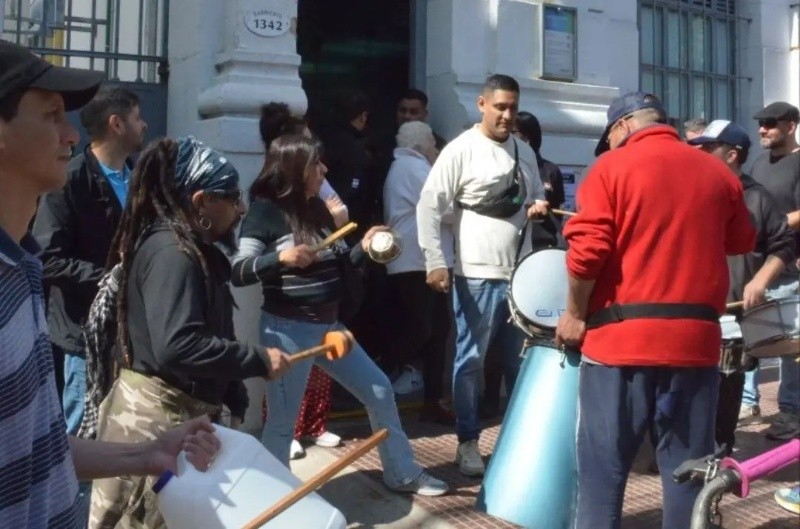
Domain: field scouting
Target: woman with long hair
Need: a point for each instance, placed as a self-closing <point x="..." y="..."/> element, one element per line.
<point x="303" y="290"/>
<point x="174" y="314"/>
<point x="277" y="121"/>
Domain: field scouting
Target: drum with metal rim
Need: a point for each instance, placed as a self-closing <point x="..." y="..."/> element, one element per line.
<point x="537" y="295"/>
<point x="772" y="328"/>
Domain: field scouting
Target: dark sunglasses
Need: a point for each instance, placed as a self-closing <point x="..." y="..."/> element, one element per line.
<point x="235" y="195"/>
<point x="769" y="123"/>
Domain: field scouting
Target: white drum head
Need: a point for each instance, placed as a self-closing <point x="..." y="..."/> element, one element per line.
<point x="730" y="328"/>
<point x="539" y="287"/>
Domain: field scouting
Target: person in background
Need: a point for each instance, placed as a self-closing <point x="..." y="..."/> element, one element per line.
<point x="778" y="170"/>
<point x="638" y="209"/>
<point x="179" y="358"/>
<point x="277" y="121"/>
<point x="75" y="226"/>
<point x="694" y="128"/>
<point x="751" y="274"/>
<point x="303" y="293"/>
<point x="422" y="319"/>
<point x="41" y="463"/>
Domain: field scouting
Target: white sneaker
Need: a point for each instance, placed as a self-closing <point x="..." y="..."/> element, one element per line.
<point x="409" y="381"/>
<point x="749" y="412"/>
<point x="326" y="440"/>
<point x="425" y="485"/>
<point x="296" y="450"/>
<point x="468" y="459"/>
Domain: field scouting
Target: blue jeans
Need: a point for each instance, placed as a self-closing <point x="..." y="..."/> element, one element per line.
<point x="356" y="372"/>
<point x="617" y="407"/>
<point x="74" y="389"/>
<point x="481" y="311"/>
<point x="789" y="385"/>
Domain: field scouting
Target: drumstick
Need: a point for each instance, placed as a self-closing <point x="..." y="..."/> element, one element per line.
<point x="563" y="212"/>
<point x="734" y="305"/>
<point x="345" y="230"/>
<point x="335" y="345"/>
<point x="318" y="480"/>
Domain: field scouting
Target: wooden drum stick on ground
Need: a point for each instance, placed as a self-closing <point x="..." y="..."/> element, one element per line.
<point x="317" y="481"/>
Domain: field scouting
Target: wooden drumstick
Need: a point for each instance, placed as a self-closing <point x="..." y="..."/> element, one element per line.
<point x="734" y="305"/>
<point x="318" y="480"/>
<point x="563" y="212"/>
<point x="345" y="230"/>
<point x="335" y="345"/>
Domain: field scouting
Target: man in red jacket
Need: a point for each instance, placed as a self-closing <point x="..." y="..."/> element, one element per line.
<point x="648" y="280"/>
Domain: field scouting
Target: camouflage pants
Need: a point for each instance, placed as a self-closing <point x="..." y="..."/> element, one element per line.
<point x="138" y="408"/>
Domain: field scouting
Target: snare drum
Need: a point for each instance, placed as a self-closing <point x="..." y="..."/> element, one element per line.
<point x="773" y="328"/>
<point x="537" y="295"/>
<point x="731" y="359"/>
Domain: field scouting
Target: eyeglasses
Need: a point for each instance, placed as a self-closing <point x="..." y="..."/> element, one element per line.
<point x="615" y="125"/>
<point x="769" y="123"/>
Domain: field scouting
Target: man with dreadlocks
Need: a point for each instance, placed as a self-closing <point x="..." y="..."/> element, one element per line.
<point x="174" y="312"/>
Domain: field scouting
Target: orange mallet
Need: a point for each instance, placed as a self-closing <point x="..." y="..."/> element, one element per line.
<point x="335" y="345"/>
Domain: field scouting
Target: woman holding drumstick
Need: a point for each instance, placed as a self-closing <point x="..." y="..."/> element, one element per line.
<point x="302" y="290"/>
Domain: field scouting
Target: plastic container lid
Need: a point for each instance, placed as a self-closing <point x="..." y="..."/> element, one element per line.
<point x="163" y="479"/>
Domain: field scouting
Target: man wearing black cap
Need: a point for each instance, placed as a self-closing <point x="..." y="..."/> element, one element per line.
<point x="778" y="170"/>
<point x="40" y="464"/>
<point x="751" y="274"/>
<point x="647" y="283"/>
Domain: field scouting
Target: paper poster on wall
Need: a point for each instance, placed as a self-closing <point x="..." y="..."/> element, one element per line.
<point x="572" y="176"/>
<point x="559" y="59"/>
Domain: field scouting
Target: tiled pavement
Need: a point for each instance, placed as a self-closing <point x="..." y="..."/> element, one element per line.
<point x="435" y="446"/>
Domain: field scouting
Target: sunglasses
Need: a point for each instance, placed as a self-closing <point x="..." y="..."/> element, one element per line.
<point x="235" y="195"/>
<point x="769" y="123"/>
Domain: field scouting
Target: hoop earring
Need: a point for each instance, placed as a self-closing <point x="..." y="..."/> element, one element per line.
<point x="204" y="222"/>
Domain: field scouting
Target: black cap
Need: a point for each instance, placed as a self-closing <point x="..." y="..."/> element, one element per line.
<point x="22" y="69"/>
<point x="723" y="131"/>
<point x="780" y="110"/>
<point x="621" y="107"/>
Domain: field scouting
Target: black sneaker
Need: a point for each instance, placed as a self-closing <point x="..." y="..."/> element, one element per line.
<point x="785" y="427"/>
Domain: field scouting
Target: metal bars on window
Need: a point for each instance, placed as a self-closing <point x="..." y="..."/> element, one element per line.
<point x="127" y="40"/>
<point x="688" y="56"/>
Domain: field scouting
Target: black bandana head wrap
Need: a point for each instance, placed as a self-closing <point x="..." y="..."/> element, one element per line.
<point x="200" y="168"/>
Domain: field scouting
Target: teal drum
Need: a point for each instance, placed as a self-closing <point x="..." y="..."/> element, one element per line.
<point x="532" y="475"/>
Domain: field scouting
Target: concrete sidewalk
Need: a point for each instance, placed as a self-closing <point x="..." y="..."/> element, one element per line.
<point x="363" y="500"/>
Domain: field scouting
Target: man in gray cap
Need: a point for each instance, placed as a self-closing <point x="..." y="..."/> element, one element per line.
<point x="778" y="170"/>
<point x="750" y="275"/>
<point x="39" y="485"/>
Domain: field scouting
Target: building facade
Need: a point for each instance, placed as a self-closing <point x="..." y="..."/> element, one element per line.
<point x="206" y="66"/>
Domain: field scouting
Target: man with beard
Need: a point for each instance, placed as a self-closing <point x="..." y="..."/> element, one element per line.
<point x="778" y="170"/>
<point x="75" y="226"/>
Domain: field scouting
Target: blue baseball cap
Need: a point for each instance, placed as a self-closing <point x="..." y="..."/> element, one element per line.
<point x="623" y="106"/>
<point x="723" y="131"/>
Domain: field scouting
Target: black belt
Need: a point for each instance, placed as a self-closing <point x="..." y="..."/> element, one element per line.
<point x="669" y="311"/>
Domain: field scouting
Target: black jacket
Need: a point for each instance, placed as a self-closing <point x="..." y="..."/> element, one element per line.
<point x="773" y="237"/>
<point x="181" y="324"/>
<point x="75" y="227"/>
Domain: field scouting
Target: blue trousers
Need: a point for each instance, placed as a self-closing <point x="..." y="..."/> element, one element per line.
<point x="617" y="407"/>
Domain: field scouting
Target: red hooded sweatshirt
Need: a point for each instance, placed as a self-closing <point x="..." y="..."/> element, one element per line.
<point x="655" y="221"/>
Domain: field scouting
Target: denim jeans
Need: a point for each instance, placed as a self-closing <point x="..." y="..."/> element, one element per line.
<point x="481" y="310"/>
<point x="74" y="389"/>
<point x="356" y="372"/>
<point x="617" y="407"/>
<point x="789" y="386"/>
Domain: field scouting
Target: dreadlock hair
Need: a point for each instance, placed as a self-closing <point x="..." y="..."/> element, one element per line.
<point x="283" y="181"/>
<point x="152" y="198"/>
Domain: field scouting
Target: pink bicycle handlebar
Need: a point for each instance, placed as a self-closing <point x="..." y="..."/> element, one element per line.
<point x="760" y="466"/>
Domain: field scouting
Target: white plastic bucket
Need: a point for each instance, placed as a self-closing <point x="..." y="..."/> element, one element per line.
<point x="244" y="481"/>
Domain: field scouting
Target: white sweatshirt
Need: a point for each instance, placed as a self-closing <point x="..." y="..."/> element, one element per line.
<point x="470" y="167"/>
<point x="407" y="175"/>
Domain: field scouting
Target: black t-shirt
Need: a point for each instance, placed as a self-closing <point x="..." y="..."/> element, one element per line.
<point x="780" y="175"/>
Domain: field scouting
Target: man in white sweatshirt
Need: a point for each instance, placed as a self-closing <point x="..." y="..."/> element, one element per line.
<point x="492" y="181"/>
